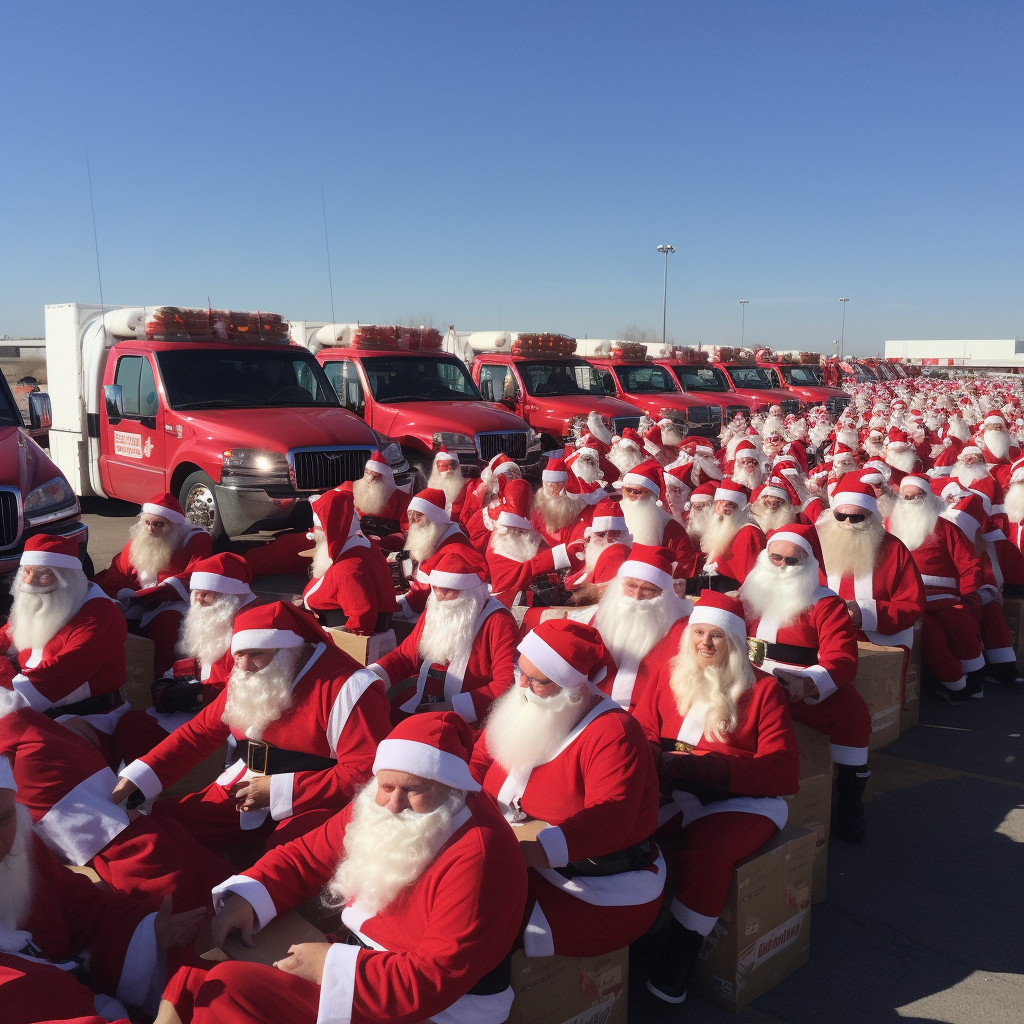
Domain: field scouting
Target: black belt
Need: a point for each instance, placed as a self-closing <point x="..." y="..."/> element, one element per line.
<point x="719" y="584"/>
<point x="792" y="654"/>
<point x="88" y="706"/>
<point x="378" y="526"/>
<point x="643" y="855"/>
<point x="337" y="617"/>
<point x="265" y="759"/>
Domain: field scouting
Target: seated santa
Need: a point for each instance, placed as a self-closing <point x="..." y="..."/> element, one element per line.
<point x="559" y="513"/>
<point x="731" y="541"/>
<point x="649" y="523"/>
<point x="446" y="475"/>
<point x="771" y="506"/>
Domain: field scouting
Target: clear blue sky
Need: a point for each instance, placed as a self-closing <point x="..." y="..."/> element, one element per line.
<point x="516" y="164"/>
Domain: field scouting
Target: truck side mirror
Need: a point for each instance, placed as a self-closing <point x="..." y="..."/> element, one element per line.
<point x="40" y="412"/>
<point x="113" y="399"/>
<point x="487" y="390"/>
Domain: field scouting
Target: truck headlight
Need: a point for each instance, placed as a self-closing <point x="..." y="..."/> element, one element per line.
<point x="454" y="442"/>
<point x="532" y="440"/>
<point x="391" y="451"/>
<point x="254" y="466"/>
<point x="49" y="497"/>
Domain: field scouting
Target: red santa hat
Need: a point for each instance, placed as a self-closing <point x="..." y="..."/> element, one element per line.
<point x="723" y="611"/>
<point x="898" y="437"/>
<point x="515" y="505"/>
<point x="377" y="464"/>
<point x="435" y="745"/>
<point x="457" y="567"/>
<point x="971" y="448"/>
<point x="607" y="516"/>
<point x="681" y="476"/>
<point x="646" y="475"/>
<point x="432" y="502"/>
<point x="968" y="514"/>
<point x="444" y="456"/>
<point x="796" y="450"/>
<point x="946" y="488"/>
<point x="51" y="551"/>
<point x="995" y="419"/>
<point x="803" y="536"/>
<point x="569" y="653"/>
<point x="745" y="450"/>
<point x="6" y="775"/>
<point x="606" y="568"/>
<point x="853" y="490"/>
<point x="630" y="436"/>
<point x="335" y="513"/>
<point x="273" y="626"/>
<point x="225" y="573"/>
<point x="729" y="490"/>
<point x="650" y="563"/>
<point x="704" y="491"/>
<point x="774" y="488"/>
<point x="501" y="464"/>
<point x="916" y="480"/>
<point x="555" y="472"/>
<point x="166" y="506"/>
<point x="653" y="442"/>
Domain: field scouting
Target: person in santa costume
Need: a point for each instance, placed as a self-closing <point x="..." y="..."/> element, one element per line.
<point x="589" y="462"/>
<point x="746" y="465"/>
<point x="648" y="521"/>
<point x="485" y="489"/>
<point x="218" y="587"/>
<point x="379" y="501"/>
<point x="726" y="753"/>
<point x="811" y="648"/>
<point x="64" y="642"/>
<point x="771" y="506"/>
<point x="559" y="514"/>
<point x="351" y="585"/>
<point x="704" y="467"/>
<point x="626" y="453"/>
<point x="414" y="862"/>
<point x="558" y="751"/>
<point x="953" y="575"/>
<point x="1013" y="504"/>
<point x="305" y="723"/>
<point x="607" y="527"/>
<point x="700" y="509"/>
<point x="678" y="488"/>
<point x="54" y="922"/>
<point x="446" y="475"/>
<point x="1000" y="449"/>
<point x="731" y="541"/>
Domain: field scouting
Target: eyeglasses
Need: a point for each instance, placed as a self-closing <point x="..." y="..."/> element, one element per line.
<point x="633" y="492"/>
<point x="532" y="680"/>
<point x="784" y="559"/>
<point x="853" y="517"/>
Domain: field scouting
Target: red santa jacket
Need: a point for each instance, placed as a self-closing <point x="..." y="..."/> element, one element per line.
<point x="387" y="525"/>
<point x="431" y="945"/>
<point x="948" y="564"/>
<point x="83" y="659"/>
<point x="686" y="556"/>
<point x="359" y="585"/>
<point x="327" y="717"/>
<point x="573" y="531"/>
<point x="891" y="599"/>
<point x="1005" y="558"/>
<point x="825" y="628"/>
<point x="511" y="579"/>
<point x="739" y="558"/>
<point x="122" y="575"/>
<point x="474" y="681"/>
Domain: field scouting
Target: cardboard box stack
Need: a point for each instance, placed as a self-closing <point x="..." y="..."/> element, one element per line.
<point x="140" y="656"/>
<point x="1013" y="609"/>
<point x="879" y="682"/>
<point x="364" y="649"/>
<point x="570" y="990"/>
<point x="910" y="708"/>
<point x="811" y="807"/>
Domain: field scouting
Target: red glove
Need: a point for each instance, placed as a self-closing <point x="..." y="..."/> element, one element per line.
<point x="972" y="601"/>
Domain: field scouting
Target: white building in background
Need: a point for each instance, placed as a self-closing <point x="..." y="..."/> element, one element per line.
<point x="1003" y="353"/>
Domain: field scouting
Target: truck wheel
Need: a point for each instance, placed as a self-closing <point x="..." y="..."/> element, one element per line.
<point x="199" y="501"/>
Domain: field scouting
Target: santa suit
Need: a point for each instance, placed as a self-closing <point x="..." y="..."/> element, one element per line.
<point x="356" y="592"/>
<point x="328" y="719"/>
<point x="599" y="795"/>
<point x="574" y="531"/>
<point x="677" y="540"/>
<point x="632" y="675"/>
<point x="478" y="676"/>
<point x="415" y="600"/>
<point x="728" y="569"/>
<point x="829" y="656"/>
<point x="475" y="498"/>
<point x="388" y="524"/>
<point x="511" y="579"/>
<point x="437" y="952"/>
<point x="65" y="783"/>
<point x="757" y="764"/>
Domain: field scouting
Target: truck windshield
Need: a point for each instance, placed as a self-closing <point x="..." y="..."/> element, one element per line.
<point x="701" y="378"/>
<point x="863" y="374"/>
<point x="9" y="415"/>
<point x="197" y="378"/>
<point x="557" y="379"/>
<point x="751" y="377"/>
<point x="419" y="379"/>
<point x="645" y="379"/>
<point x="803" y="375"/>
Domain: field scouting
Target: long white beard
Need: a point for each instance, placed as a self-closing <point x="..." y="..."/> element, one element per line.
<point x="721" y="529"/>
<point x="772" y="519"/>
<point x="902" y="459"/>
<point x="630" y="628"/>
<point x="522" y="734"/>
<point x="645" y="520"/>
<point x="256" y="699"/>
<point x="625" y="457"/>
<point x="520" y="547"/>
<point x="385" y="852"/>
<point x="450" y="483"/>
<point x="913" y="522"/>
<point x="849" y="437"/>
<point x="720" y="686"/>
<point x="322" y="560"/>
<point x="998" y="443"/>
<point x="449" y="627"/>
<point x="886" y="502"/>
<point x="206" y="631"/>
<point x="150" y="553"/>
<point x="421" y="540"/>
<point x="37" y="616"/>
<point x="370" y="496"/>
<point x="874" y="448"/>
<point x="17" y="879"/>
<point x="1014" y="503"/>
<point x="968" y="474"/>
<point x="708" y="465"/>
<point x="558" y="510"/>
<point x="748" y="477"/>
<point x="587" y="469"/>
<point x="849" y="552"/>
<point x="697" y="521"/>
<point x="779" y="594"/>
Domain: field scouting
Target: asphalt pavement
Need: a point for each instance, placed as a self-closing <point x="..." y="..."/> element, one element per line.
<point x="923" y="921"/>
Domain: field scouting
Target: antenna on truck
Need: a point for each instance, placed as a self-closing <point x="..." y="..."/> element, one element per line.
<point x="327" y="243"/>
<point x="95" y="238"/>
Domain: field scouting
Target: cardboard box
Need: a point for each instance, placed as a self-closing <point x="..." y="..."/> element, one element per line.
<point x="140" y="657"/>
<point x="910" y="708"/>
<point x="1013" y="610"/>
<point x="811" y="808"/>
<point x="570" y="990"/>
<point x="272" y="942"/>
<point x="764" y="931"/>
<point x="200" y="777"/>
<point x="879" y="682"/>
<point x="364" y="649"/>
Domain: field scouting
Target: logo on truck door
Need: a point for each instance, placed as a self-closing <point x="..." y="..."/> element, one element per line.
<point x="128" y="445"/>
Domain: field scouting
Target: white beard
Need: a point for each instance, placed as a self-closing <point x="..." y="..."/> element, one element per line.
<point x="748" y="477"/>
<point x="257" y="699"/>
<point x="721" y="686"/>
<point x="1014" y="503"/>
<point x="849" y="437"/>
<point x="706" y="465"/>
<point x="630" y="628"/>
<point x="849" y="551"/>
<point x="967" y="475"/>
<point x="587" y="469"/>
<point x="322" y="560"/>
<point x="37" y="616"/>
<point x="421" y="540"/>
<point x="150" y="554"/>
<point x="771" y="519"/>
<point x="798" y="431"/>
<point x="450" y="483"/>
<point x="779" y="594"/>
<point x="886" y="503"/>
<point x="520" y="547"/>
<point x="206" y="632"/>
<point x="385" y="852"/>
<point x="645" y="520"/>
<point x="558" y="510"/>
<point x="697" y="521"/>
<point x="594" y="548"/>
<point x="670" y="433"/>
<point x="625" y="457"/>
<point x="875" y="449"/>
<point x="449" y="627"/>
<point x="522" y="734"/>
<point x="904" y="459"/>
<point x="17" y="879"/>
<point x="720" y="530"/>
<point x="370" y="496"/>
<point x="913" y="522"/>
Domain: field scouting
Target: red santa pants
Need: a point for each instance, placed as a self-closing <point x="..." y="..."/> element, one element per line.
<point x="844" y="718"/>
<point x="36" y="992"/>
<point x="136" y="734"/>
<point x="235" y="992"/>
<point x="951" y="644"/>
<point x="996" y="637"/>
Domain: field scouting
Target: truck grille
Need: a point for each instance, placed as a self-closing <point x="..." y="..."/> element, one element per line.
<point x="732" y="411"/>
<point x="512" y="444"/>
<point x="620" y="423"/>
<point x="836" y="405"/>
<point x="10" y="524"/>
<point x="790" y="406"/>
<point x="324" y="468"/>
<point x="698" y="414"/>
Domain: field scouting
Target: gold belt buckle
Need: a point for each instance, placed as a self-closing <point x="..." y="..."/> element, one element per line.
<point x="682" y="747"/>
<point x="756" y="650"/>
<point x="256" y="756"/>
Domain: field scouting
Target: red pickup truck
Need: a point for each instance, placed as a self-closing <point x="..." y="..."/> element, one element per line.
<point x="806" y="380"/>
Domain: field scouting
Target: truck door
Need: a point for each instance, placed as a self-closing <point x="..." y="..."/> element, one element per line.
<point x="132" y="463"/>
<point x="498" y="380"/>
<point x="344" y="377"/>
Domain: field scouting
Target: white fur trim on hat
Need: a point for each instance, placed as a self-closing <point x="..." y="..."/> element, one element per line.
<point x="600" y="524"/>
<point x="554" y="476"/>
<point x="429" y="509"/>
<point x="916" y="480"/>
<point x="646" y="572"/>
<point x="551" y="663"/>
<point x="380" y="467"/>
<point x="454" y="580"/>
<point x="264" y="640"/>
<point x="793" y="538"/>
<point x="50" y="559"/>
<point x="219" y="584"/>
<point x="426" y="762"/>
<point x="169" y="514"/>
<point x="708" y="616"/>
<point x="864" y="501"/>
<point x="639" y="480"/>
<point x="738" y="498"/>
<point x="774" y="492"/>
<point x="971" y="449"/>
<point x="511" y="519"/>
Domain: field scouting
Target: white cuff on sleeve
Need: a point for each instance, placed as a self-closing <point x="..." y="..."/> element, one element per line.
<point x="555" y="848"/>
<point x="561" y="557"/>
<point x="822" y="680"/>
<point x="253" y="892"/>
<point x="35" y="699"/>
<point x="281" y="795"/>
<point x="140" y="961"/>
<point x="462" y="704"/>
<point x="338" y="985"/>
<point x="144" y="777"/>
<point x="868" y="614"/>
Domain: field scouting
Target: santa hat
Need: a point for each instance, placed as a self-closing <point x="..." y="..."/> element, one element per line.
<point x="646" y="475"/>
<point x="52" y="551"/>
<point x="681" y="476"/>
<point x="653" y="442"/>
<point x="852" y="490"/>
<point x="6" y="775"/>
<point x="607" y="516"/>
<point x="650" y="563"/>
<point x="606" y="567"/>
<point x="555" y="472"/>
<point x="223" y="574"/>
<point x="457" y="567"/>
<point x="377" y="464"/>
<point x="803" y="536"/>
<point x="566" y="651"/>
<point x="994" y="419"/>
<point x="729" y="490"/>
<point x="166" y="506"/>
<point x="335" y="513"/>
<point x="435" y="745"/>
<point x="796" y="450"/>
<point x="971" y="449"/>
<point x="515" y="505"/>
<point x="898" y="437"/>
<point x="946" y="488"/>
<point x="443" y="455"/>
<point x="723" y="611"/>
<point x="499" y="465"/>
<point x="272" y="626"/>
<point x="597" y="426"/>
<point x="774" y="488"/>
<point x="704" y="491"/>
<point x="745" y="450"/>
<point x="432" y="502"/>
<point x="916" y="480"/>
<point x="630" y="436"/>
<point x="968" y="514"/>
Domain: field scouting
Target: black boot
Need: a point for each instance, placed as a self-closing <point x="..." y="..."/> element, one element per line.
<point x="1004" y="673"/>
<point x="976" y="683"/>
<point x="850" y="783"/>
<point x="671" y="976"/>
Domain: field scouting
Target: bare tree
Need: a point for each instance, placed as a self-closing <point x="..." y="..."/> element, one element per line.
<point x="643" y="335"/>
<point x="423" y="320"/>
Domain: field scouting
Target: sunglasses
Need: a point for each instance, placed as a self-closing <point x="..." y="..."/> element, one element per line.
<point x="784" y="559"/>
<point x="853" y="517"/>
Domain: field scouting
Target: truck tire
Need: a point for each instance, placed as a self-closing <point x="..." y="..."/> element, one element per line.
<point x="199" y="501"/>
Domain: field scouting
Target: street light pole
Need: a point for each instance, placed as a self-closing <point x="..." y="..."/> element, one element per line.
<point x="842" y="336"/>
<point x="666" y="249"/>
<point x="743" y="319"/>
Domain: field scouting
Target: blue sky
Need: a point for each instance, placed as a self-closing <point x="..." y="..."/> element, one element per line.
<point x="516" y="164"/>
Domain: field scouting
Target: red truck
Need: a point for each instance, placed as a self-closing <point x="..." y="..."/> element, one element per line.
<point x="217" y="407"/>
<point x="402" y="382"/>
<point x="804" y="377"/>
